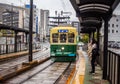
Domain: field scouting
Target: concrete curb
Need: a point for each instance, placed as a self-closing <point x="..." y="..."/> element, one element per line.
<point x="14" y="55"/>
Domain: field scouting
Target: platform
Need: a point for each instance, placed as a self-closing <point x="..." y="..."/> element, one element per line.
<point x="83" y="68"/>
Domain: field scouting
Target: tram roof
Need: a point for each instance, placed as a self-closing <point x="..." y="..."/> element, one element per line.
<point x="63" y="27"/>
<point x="67" y="29"/>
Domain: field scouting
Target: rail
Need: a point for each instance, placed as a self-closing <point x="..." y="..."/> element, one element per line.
<point x="113" y="66"/>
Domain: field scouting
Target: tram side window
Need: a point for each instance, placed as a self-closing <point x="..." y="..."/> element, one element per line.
<point x="62" y="38"/>
<point x="55" y="38"/>
<point x="71" y="37"/>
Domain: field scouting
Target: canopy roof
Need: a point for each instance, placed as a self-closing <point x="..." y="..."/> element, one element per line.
<point x="2" y="26"/>
<point x="91" y="12"/>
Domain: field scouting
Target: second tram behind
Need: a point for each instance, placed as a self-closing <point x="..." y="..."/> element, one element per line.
<point x="63" y="43"/>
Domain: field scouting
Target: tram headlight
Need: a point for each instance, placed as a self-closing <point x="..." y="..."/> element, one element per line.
<point x="62" y="48"/>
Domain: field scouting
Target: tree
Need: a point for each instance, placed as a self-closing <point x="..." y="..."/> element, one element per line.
<point x="85" y="38"/>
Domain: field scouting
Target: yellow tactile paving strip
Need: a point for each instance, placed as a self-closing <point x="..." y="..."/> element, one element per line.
<point x="80" y="69"/>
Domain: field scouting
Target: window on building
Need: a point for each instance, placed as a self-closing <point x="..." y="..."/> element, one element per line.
<point x="116" y="25"/>
<point x="116" y="31"/>
<point x="112" y="25"/>
<point x="112" y="31"/>
<point x="117" y="20"/>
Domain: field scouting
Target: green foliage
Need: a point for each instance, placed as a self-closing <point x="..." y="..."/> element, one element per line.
<point x="95" y="34"/>
<point x="85" y="38"/>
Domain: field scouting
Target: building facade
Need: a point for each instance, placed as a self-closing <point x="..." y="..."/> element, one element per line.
<point x="12" y="16"/>
<point x="27" y="14"/>
<point x="44" y="21"/>
<point x="113" y="29"/>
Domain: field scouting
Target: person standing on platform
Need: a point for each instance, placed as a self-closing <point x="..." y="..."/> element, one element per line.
<point x="89" y="49"/>
<point x="94" y="55"/>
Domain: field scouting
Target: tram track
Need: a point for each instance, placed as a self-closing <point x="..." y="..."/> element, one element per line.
<point x="61" y="76"/>
<point x="48" y="72"/>
<point x="36" y="73"/>
<point x="16" y="66"/>
<point x="16" y="63"/>
<point x="50" y="75"/>
<point x="19" y="78"/>
<point x="54" y="71"/>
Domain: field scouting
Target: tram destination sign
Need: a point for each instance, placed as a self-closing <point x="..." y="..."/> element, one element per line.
<point x="62" y="31"/>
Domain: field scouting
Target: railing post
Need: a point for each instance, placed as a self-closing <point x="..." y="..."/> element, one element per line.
<point x="20" y="45"/>
<point x="6" y="48"/>
<point x="109" y="65"/>
<point x="15" y="46"/>
<point x="0" y="49"/>
<point x="118" y="74"/>
<point x="114" y="67"/>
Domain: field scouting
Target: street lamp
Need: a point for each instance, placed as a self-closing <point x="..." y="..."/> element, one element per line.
<point x="30" y="30"/>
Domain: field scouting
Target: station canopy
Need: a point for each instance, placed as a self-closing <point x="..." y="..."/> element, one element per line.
<point x="6" y="27"/>
<point x="91" y="13"/>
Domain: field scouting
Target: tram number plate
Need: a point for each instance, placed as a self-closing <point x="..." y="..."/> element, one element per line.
<point x="61" y="31"/>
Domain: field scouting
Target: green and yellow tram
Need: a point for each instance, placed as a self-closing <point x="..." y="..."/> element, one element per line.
<point x="63" y="43"/>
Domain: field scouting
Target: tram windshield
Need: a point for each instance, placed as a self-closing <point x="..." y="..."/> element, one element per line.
<point x="71" y="37"/>
<point x="55" y="38"/>
<point x="63" y="38"/>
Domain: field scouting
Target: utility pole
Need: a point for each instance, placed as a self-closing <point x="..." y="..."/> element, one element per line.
<point x="30" y="30"/>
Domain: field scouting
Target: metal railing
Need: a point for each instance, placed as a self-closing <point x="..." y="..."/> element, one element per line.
<point x="113" y="64"/>
<point x="9" y="48"/>
<point x="113" y="67"/>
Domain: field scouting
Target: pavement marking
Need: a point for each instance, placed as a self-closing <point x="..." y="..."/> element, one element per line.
<point x="80" y="67"/>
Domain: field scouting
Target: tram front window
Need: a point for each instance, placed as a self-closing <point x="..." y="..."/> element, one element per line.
<point x="62" y="38"/>
<point x="71" y="37"/>
<point x="55" y="38"/>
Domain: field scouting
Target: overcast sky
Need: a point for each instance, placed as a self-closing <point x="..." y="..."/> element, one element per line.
<point x="51" y="5"/>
